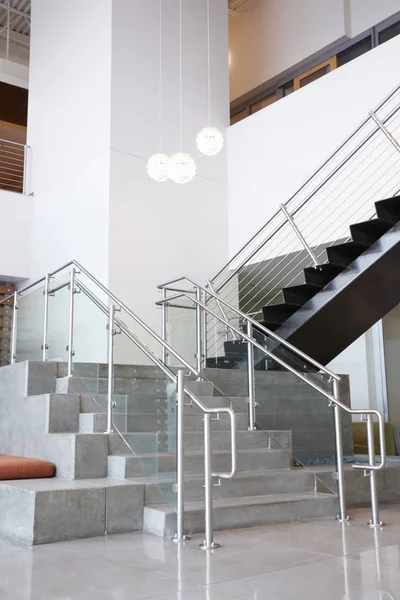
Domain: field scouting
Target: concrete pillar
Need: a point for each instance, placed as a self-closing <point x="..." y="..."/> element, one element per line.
<point x="93" y="123"/>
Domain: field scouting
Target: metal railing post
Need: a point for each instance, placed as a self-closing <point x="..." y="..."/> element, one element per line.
<point x="297" y="231"/>
<point x="251" y="378"/>
<point x="374" y="522"/>
<point x="204" y="329"/>
<point x="385" y="131"/>
<point x="209" y="543"/>
<point x="342" y="517"/>
<point x="164" y="325"/>
<point x="199" y="342"/>
<point x="70" y="347"/>
<point x="13" y="351"/>
<point x="110" y="386"/>
<point x="180" y="460"/>
<point x="46" y="292"/>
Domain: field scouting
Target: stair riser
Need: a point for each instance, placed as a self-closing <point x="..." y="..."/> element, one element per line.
<point x="152" y="442"/>
<point x="279" y="482"/>
<point x="133" y="466"/>
<point x="141" y="387"/>
<point x="157" y="423"/>
<point x="239" y="517"/>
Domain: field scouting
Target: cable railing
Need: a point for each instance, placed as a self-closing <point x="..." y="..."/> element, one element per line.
<point x="270" y="346"/>
<point x="58" y="310"/>
<point x="343" y="191"/>
<point x="13" y="159"/>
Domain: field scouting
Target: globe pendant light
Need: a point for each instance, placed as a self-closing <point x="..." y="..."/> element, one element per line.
<point x="182" y="167"/>
<point x="209" y="140"/>
<point x="158" y="164"/>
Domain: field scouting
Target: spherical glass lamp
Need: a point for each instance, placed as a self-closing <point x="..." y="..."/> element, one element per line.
<point x="158" y="167"/>
<point x="182" y="167"/>
<point x="210" y="141"/>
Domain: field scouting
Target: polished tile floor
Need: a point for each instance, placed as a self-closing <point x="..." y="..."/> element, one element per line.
<point x="319" y="560"/>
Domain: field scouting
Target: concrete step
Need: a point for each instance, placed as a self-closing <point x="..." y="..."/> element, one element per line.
<point x="161" y="388"/>
<point x="260" y="483"/>
<point x="146" y="442"/>
<point x="96" y="370"/>
<point x="53" y="510"/>
<point x="145" y="465"/>
<point x="234" y="513"/>
<point x="154" y="422"/>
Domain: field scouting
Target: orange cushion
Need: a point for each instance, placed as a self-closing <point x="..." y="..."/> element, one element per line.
<point x="18" y="467"/>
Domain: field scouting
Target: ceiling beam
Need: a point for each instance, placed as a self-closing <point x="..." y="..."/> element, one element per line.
<point x="14" y="11"/>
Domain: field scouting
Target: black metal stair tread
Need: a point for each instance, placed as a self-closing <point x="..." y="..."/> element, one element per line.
<point x="322" y="274"/>
<point x="389" y="209"/>
<point x="300" y="294"/>
<point x="368" y="232"/>
<point x="345" y="254"/>
<point x="278" y="313"/>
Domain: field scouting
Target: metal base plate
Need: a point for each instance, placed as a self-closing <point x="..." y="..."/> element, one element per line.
<point x="372" y="526"/>
<point x="340" y="520"/>
<point x="186" y="538"/>
<point x="213" y="546"/>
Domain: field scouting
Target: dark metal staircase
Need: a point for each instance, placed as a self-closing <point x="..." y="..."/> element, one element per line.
<point x="344" y="297"/>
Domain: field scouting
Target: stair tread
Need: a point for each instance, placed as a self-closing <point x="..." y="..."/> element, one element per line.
<point x="171" y="477"/>
<point x="199" y="453"/>
<point x="243" y="501"/>
<point x="60" y="484"/>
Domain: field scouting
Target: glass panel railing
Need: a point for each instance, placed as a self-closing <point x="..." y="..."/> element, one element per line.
<point x="58" y="318"/>
<point x="30" y="324"/>
<point x="181" y="327"/>
<point x="142" y="443"/>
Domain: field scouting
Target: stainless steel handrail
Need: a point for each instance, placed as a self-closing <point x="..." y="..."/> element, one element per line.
<point x="182" y="390"/>
<point x="298" y="208"/>
<point x="333" y="401"/>
<point x="251" y="320"/>
<point x="138" y="320"/>
<point x="75" y="283"/>
<point x="308" y="181"/>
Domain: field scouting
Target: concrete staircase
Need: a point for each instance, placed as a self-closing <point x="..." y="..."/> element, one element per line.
<point x="125" y="481"/>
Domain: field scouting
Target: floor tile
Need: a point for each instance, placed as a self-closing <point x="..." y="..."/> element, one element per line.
<point x="334" y="579"/>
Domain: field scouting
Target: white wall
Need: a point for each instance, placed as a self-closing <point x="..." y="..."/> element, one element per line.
<point x="275" y="150"/>
<point x="271" y="36"/>
<point x="162" y="231"/>
<point x="367" y="13"/>
<point x="16" y="233"/>
<point x="69" y="132"/>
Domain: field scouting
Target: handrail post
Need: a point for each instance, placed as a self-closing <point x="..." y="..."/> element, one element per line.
<point x="46" y="316"/>
<point x="70" y="347"/>
<point x="204" y="330"/>
<point x="110" y="386"/>
<point x="251" y="377"/>
<point x="209" y="543"/>
<point x="342" y="517"/>
<point x="199" y="343"/>
<point x="297" y="231"/>
<point x="385" y="130"/>
<point x="374" y="522"/>
<point x="164" y="325"/>
<point x="180" y="460"/>
<point x="14" y="331"/>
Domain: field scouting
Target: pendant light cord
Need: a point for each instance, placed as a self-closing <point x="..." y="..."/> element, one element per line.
<point x="209" y="63"/>
<point x="160" y="90"/>
<point x="180" y="76"/>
